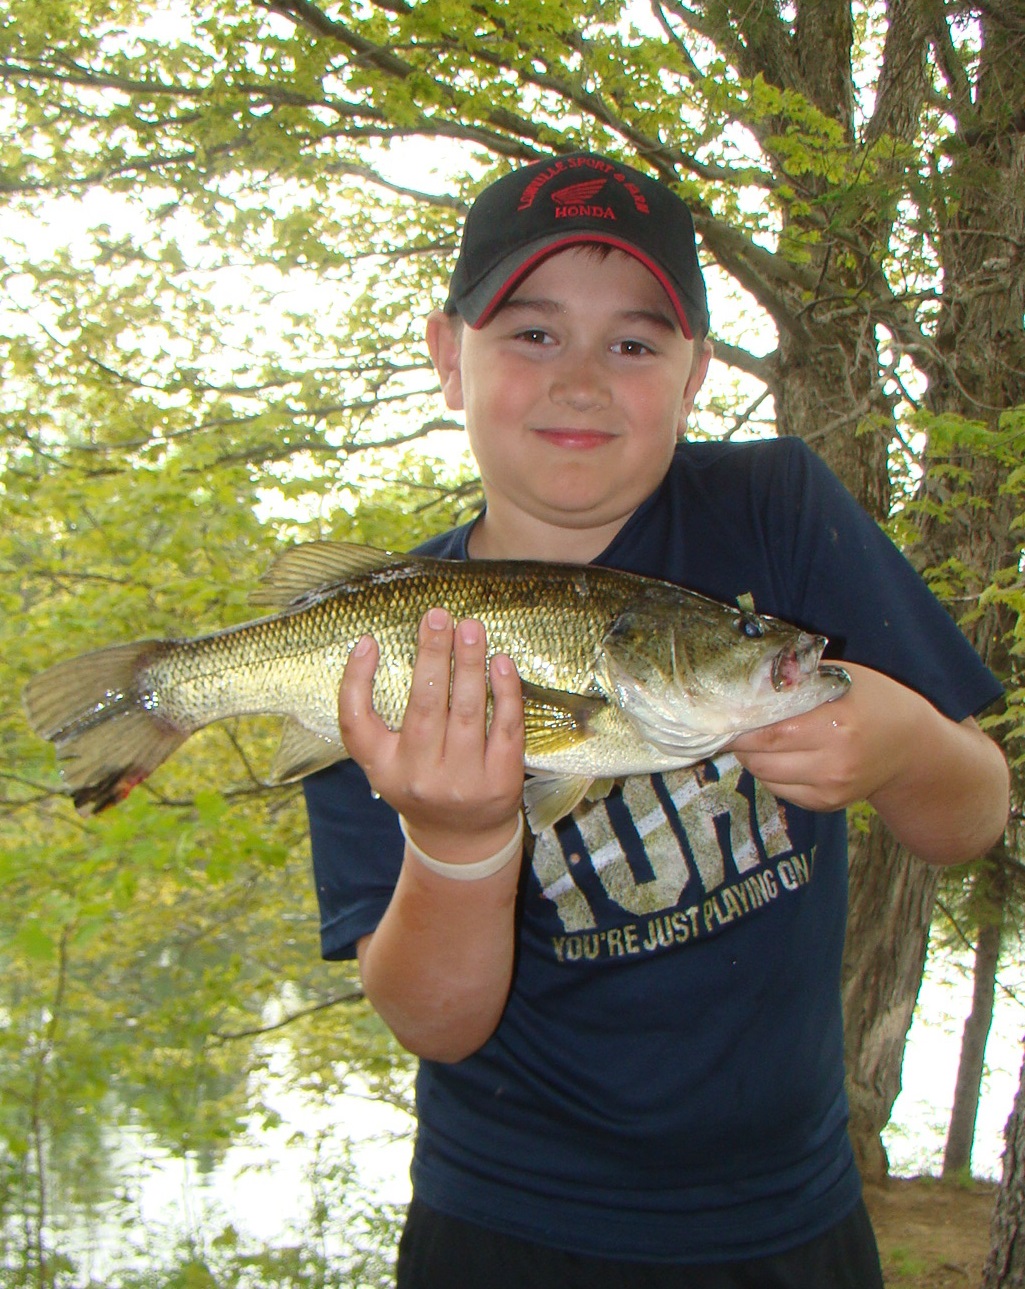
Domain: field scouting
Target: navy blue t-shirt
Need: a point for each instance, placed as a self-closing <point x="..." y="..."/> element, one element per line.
<point x="666" y="1082"/>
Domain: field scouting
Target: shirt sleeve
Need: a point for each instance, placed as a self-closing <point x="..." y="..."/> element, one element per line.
<point x="851" y="584"/>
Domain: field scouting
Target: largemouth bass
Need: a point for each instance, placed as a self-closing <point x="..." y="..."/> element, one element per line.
<point x="621" y="674"/>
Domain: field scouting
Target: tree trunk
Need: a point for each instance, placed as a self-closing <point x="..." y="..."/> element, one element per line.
<point x="828" y="389"/>
<point x="957" y="1155"/>
<point x="892" y="896"/>
<point x="1005" y="1266"/>
<point x="979" y="371"/>
<point x="827" y="384"/>
<point x="976" y="370"/>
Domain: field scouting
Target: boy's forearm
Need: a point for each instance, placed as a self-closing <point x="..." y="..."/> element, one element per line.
<point x="951" y="803"/>
<point x="439" y="966"/>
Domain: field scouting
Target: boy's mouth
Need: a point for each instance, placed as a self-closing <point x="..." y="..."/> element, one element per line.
<point x="575" y="439"/>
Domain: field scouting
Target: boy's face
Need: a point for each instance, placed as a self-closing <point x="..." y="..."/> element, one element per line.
<point x="575" y="394"/>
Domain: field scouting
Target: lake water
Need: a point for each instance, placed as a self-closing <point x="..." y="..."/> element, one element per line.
<point x="267" y="1185"/>
<point x="917" y="1131"/>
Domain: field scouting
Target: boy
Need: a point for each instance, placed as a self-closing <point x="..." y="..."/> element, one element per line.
<point x="631" y="1042"/>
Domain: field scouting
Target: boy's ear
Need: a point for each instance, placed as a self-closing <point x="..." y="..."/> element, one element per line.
<point x="444" y="341"/>
<point x="698" y="372"/>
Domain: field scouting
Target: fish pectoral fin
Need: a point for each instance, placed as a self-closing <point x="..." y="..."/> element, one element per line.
<point x="555" y="718"/>
<point x="300" y="573"/>
<point x="599" y="789"/>
<point x="301" y="752"/>
<point x="547" y="798"/>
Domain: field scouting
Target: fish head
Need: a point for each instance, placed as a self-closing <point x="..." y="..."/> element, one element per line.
<point x="691" y="674"/>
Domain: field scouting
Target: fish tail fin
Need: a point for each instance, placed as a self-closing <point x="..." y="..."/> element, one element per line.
<point x="104" y="724"/>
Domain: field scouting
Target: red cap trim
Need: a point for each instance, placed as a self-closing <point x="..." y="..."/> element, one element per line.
<point x="581" y="239"/>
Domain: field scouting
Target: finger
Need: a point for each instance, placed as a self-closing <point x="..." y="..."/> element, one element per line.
<point x="816" y="729"/>
<point x="506" y="734"/>
<point x="818" y="778"/>
<point x="469" y="697"/>
<point x="361" y="727"/>
<point x="426" y="711"/>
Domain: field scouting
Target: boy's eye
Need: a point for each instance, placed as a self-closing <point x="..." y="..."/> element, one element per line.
<point x="631" y="348"/>
<point x="533" y="335"/>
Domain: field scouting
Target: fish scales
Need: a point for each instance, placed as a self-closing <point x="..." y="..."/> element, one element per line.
<point x="277" y="664"/>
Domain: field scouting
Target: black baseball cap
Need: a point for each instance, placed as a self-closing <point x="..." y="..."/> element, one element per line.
<point x="542" y="208"/>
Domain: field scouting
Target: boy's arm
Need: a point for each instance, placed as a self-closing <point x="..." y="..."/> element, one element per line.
<point x="439" y="965"/>
<point x="941" y="786"/>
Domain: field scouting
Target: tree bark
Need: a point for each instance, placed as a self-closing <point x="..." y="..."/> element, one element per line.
<point x="957" y="1154"/>
<point x="1005" y="1266"/>
<point x="887" y="939"/>
<point x="979" y="371"/>
<point x="976" y="370"/>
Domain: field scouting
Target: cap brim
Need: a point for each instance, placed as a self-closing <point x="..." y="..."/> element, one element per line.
<point x="478" y="305"/>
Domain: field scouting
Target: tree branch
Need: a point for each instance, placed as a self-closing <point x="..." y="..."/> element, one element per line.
<point x="953" y="70"/>
<point x="762" y="368"/>
<point x="230" y="1036"/>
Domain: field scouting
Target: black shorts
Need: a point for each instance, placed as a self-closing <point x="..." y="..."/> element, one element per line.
<point x="440" y="1252"/>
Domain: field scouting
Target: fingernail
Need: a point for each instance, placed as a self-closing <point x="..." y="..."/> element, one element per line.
<point x="469" y="632"/>
<point x="501" y="665"/>
<point x="362" y="646"/>
<point x="437" y="619"/>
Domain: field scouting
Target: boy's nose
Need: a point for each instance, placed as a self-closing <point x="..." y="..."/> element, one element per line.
<point x="580" y="383"/>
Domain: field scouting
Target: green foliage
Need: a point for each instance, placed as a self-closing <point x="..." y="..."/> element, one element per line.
<point x="221" y="229"/>
<point x="147" y="950"/>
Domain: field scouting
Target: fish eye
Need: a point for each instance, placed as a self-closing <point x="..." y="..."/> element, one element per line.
<point x="750" y="627"/>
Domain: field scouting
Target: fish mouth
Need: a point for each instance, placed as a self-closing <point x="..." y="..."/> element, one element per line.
<point x="836" y="673"/>
<point x="791" y="666"/>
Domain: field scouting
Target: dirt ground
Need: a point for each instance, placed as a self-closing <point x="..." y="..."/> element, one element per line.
<point x="931" y="1235"/>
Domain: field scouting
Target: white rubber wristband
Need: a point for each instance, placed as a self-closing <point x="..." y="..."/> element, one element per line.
<point x="512" y="849"/>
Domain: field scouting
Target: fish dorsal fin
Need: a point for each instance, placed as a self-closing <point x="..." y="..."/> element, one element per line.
<point x="301" y="753"/>
<point x="301" y="572"/>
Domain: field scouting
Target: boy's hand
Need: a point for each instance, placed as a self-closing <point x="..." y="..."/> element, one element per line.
<point x="457" y="782"/>
<point x="839" y="752"/>
<point x="941" y="786"/>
